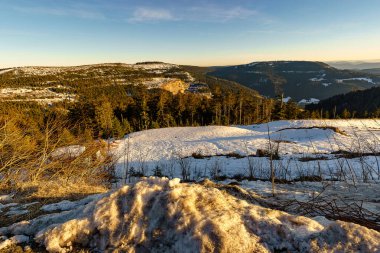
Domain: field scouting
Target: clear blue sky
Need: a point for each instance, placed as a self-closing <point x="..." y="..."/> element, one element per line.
<point x="209" y="32"/>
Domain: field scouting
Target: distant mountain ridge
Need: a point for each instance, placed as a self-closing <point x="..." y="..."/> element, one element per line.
<point x="296" y="79"/>
<point x="302" y="81"/>
<point x="358" y="65"/>
<point x="375" y="71"/>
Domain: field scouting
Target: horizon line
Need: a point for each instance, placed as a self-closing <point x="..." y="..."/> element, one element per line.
<point x="369" y="61"/>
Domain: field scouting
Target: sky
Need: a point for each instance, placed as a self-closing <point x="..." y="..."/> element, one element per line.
<point x="194" y="32"/>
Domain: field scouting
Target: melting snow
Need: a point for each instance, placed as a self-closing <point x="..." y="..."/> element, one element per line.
<point x="166" y="216"/>
<point x="14" y="240"/>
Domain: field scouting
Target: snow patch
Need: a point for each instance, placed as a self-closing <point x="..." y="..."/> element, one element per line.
<point x="6" y="198"/>
<point x="69" y="205"/>
<point x="5" y="71"/>
<point x="309" y="101"/>
<point x="326" y="84"/>
<point x="14" y="240"/>
<point x="365" y="79"/>
<point x="68" y="151"/>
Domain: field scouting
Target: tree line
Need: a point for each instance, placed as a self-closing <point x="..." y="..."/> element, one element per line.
<point x="118" y="110"/>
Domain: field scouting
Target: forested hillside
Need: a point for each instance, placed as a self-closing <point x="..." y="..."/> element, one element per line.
<point x="375" y="71"/>
<point x="364" y="103"/>
<point x="114" y="99"/>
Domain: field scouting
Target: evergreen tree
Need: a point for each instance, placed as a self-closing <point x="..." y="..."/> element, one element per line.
<point x="104" y="116"/>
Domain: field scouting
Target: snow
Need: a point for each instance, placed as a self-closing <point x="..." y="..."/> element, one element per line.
<point x="365" y="79"/>
<point x="5" y="71"/>
<point x="16" y="90"/>
<point x="167" y="216"/>
<point x="306" y="149"/>
<point x="286" y="100"/>
<point x="342" y="193"/>
<point x="14" y="240"/>
<point x="146" y="150"/>
<point x="300" y="72"/>
<point x="254" y="72"/>
<point x="40" y="70"/>
<point x="6" y="198"/>
<point x="326" y="84"/>
<point x="16" y="208"/>
<point x="157" y="82"/>
<point x="318" y="79"/>
<point x="2" y="206"/>
<point x="16" y="211"/>
<point x="68" y="205"/>
<point x="40" y="95"/>
<point x="68" y="151"/>
<point x="309" y="101"/>
<point x="155" y="66"/>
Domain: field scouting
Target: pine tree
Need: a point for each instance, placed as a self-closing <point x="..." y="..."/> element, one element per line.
<point x="104" y="117"/>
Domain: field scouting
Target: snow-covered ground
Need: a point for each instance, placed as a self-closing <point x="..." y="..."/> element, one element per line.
<point x="39" y="95"/>
<point x="314" y="142"/>
<point x="3" y="71"/>
<point x="308" y="101"/>
<point x="364" y="79"/>
<point x="43" y="71"/>
<point x="341" y="154"/>
<point x="319" y="78"/>
<point x="286" y="100"/>
<point x="162" y="215"/>
<point x="165" y="215"/>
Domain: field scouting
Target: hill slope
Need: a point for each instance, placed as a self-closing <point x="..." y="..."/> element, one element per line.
<point x="53" y="84"/>
<point x="364" y="103"/>
<point x="298" y="79"/>
<point x="375" y="71"/>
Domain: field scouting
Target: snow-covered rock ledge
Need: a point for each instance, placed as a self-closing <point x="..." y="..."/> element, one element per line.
<point x="162" y="215"/>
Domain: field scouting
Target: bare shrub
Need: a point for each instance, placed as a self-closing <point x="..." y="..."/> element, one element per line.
<point x="184" y="165"/>
<point x="168" y="167"/>
<point x="216" y="171"/>
<point x="34" y="162"/>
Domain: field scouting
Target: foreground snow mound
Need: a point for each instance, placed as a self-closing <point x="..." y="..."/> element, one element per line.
<point x="162" y="215"/>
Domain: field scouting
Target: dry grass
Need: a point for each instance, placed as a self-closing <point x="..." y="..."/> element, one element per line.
<point x="59" y="189"/>
<point x="334" y="129"/>
<point x="47" y="192"/>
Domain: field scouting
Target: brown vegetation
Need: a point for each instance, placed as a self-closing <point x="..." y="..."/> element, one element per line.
<point x="36" y="157"/>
